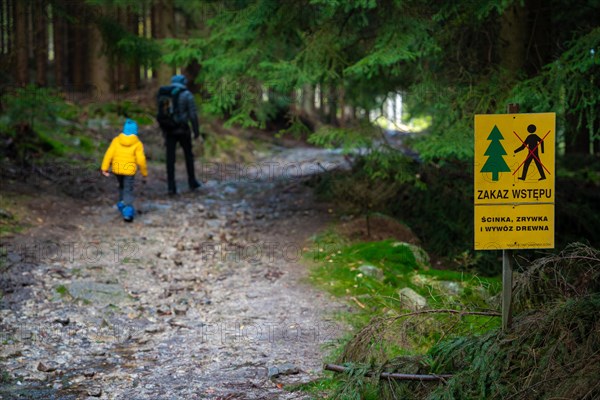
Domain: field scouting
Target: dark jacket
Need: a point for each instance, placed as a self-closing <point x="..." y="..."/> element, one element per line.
<point x="186" y="106"/>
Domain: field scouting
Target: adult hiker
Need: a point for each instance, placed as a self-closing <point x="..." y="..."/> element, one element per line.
<point x="176" y="112"/>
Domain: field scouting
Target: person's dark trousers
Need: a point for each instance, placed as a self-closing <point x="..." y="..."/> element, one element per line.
<point x="126" y="189"/>
<point x="186" y="144"/>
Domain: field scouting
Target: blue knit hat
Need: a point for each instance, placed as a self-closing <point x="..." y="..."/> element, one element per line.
<point x="130" y="127"/>
<point x="182" y="80"/>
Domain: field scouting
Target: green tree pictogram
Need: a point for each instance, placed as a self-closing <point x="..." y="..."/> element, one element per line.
<point x="495" y="163"/>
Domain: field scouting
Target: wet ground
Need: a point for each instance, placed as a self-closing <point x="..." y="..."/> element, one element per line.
<point x="203" y="296"/>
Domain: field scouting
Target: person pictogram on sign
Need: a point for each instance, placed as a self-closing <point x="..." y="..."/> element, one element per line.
<point x="532" y="142"/>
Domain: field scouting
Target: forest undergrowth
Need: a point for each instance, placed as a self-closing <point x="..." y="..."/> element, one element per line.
<point x="552" y="349"/>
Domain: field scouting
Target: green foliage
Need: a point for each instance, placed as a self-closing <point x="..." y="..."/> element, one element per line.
<point x="433" y="54"/>
<point x="38" y="122"/>
<point x="466" y="77"/>
<point x="350" y="140"/>
<point x="282" y="46"/>
<point x="569" y="84"/>
<point x="182" y="52"/>
<point x="124" y="46"/>
<point x="31" y="105"/>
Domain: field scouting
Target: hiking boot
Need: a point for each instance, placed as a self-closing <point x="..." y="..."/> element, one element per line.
<point x="128" y="213"/>
<point x="195" y="185"/>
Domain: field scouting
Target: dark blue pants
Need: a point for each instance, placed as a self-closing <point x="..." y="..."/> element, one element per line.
<point x="126" y="189"/>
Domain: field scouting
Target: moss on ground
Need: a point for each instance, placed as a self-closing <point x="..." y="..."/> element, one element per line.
<point x="552" y="350"/>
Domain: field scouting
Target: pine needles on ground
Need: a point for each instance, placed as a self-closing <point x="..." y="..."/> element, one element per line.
<point x="575" y="272"/>
<point x="552" y="351"/>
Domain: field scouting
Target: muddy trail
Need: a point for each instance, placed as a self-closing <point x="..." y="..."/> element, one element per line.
<point x="203" y="296"/>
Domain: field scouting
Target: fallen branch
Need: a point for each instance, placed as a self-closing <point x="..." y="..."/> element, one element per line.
<point x="393" y="375"/>
<point x="450" y="311"/>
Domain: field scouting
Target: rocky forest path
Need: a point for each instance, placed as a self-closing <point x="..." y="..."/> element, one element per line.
<point x="203" y="296"/>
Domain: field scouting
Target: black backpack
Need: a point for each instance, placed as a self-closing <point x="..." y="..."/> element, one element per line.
<point x="168" y="116"/>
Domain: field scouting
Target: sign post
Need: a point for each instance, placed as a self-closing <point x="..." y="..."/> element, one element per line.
<point x="514" y="188"/>
<point x="507" y="281"/>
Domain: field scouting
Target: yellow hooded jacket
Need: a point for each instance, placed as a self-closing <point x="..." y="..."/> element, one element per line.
<point x="124" y="154"/>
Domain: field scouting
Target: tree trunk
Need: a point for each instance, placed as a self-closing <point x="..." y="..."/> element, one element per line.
<point x="6" y="38"/>
<point x="121" y="70"/>
<point x="342" y="106"/>
<point x="78" y="48"/>
<point x="99" y="67"/>
<point x="134" y="68"/>
<point x="191" y="71"/>
<point x="332" y="102"/>
<point x="577" y="138"/>
<point x="58" y="30"/>
<point x="4" y="23"/>
<point x="21" y="69"/>
<point x="80" y="56"/>
<point x="322" y="110"/>
<point x="513" y="39"/>
<point x="148" y="33"/>
<point x="540" y="48"/>
<point x="164" y="18"/>
<point x="308" y="99"/>
<point x="41" y="42"/>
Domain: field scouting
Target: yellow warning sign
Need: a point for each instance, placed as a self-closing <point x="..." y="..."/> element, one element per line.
<point x="514" y="181"/>
<point x="519" y="226"/>
<point x="514" y="158"/>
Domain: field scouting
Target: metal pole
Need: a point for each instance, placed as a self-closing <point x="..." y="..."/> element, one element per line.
<point x="507" y="281"/>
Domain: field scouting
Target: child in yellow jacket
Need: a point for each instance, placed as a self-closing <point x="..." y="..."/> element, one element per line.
<point x="124" y="155"/>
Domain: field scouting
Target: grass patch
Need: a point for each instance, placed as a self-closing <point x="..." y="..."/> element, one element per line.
<point x="11" y="209"/>
<point x="114" y="112"/>
<point x="370" y="276"/>
<point x="318" y="388"/>
<point x="5" y="378"/>
<point x="62" y="291"/>
<point x="342" y="269"/>
<point x="228" y="148"/>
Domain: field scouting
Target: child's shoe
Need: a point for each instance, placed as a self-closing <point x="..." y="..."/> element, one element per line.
<point x="128" y="213"/>
<point x="120" y="206"/>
